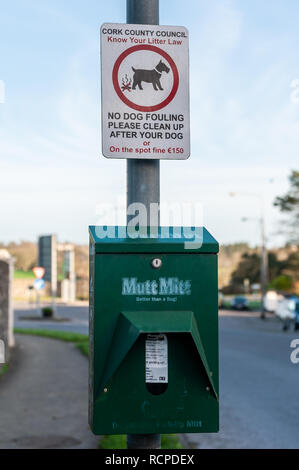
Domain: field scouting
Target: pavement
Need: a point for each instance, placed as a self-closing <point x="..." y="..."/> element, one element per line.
<point x="44" y="397"/>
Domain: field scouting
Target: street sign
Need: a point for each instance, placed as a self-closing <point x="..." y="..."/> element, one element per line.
<point x="145" y="92"/>
<point x="39" y="272"/>
<point x="47" y="258"/>
<point x="39" y="284"/>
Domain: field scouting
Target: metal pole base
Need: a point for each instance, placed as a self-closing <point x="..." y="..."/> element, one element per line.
<point x="144" y="441"/>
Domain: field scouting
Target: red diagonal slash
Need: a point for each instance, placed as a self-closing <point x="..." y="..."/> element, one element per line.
<point x="126" y="87"/>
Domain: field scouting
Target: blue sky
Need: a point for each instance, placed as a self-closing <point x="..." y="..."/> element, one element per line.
<point x="245" y="126"/>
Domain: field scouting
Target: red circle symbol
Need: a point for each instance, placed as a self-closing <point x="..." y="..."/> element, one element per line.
<point x="130" y="103"/>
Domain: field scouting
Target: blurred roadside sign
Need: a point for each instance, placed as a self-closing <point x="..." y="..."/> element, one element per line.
<point x="47" y="258"/>
<point x="39" y="284"/>
<point x="39" y="272"/>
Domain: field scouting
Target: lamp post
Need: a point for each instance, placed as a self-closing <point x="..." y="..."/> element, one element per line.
<point x="264" y="257"/>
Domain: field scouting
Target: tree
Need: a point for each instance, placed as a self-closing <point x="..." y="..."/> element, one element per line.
<point x="250" y="268"/>
<point x="290" y="267"/>
<point x="282" y="283"/>
<point x="25" y="254"/>
<point x="289" y="203"/>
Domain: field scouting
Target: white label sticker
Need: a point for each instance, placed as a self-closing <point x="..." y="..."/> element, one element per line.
<point x="156" y="352"/>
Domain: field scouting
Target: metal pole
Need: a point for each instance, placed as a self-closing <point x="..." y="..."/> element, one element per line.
<point x="143" y="176"/>
<point x="143" y="181"/>
<point x="53" y="303"/>
<point x="38" y="307"/>
<point x="264" y="266"/>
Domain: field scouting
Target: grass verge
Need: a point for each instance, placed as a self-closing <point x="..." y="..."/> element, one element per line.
<point x="252" y="304"/>
<point x="168" y="441"/>
<point x="24" y="275"/>
<point x="3" y="368"/>
<point x="80" y="341"/>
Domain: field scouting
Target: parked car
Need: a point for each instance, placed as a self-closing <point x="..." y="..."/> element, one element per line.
<point x="271" y="301"/>
<point x="220" y="300"/>
<point x="288" y="311"/>
<point x="239" y="303"/>
<point x="296" y="327"/>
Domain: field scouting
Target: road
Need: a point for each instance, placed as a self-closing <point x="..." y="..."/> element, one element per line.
<point x="75" y="318"/>
<point x="259" y="385"/>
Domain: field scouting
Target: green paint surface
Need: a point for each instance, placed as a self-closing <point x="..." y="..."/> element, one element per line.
<point x="120" y="402"/>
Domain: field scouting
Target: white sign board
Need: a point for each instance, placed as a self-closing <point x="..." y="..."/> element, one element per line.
<point x="145" y="92"/>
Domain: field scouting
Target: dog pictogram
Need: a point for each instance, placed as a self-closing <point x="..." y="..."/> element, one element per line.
<point x="150" y="76"/>
<point x="129" y="86"/>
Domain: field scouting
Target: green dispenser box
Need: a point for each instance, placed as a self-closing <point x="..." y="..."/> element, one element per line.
<point x="154" y="360"/>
